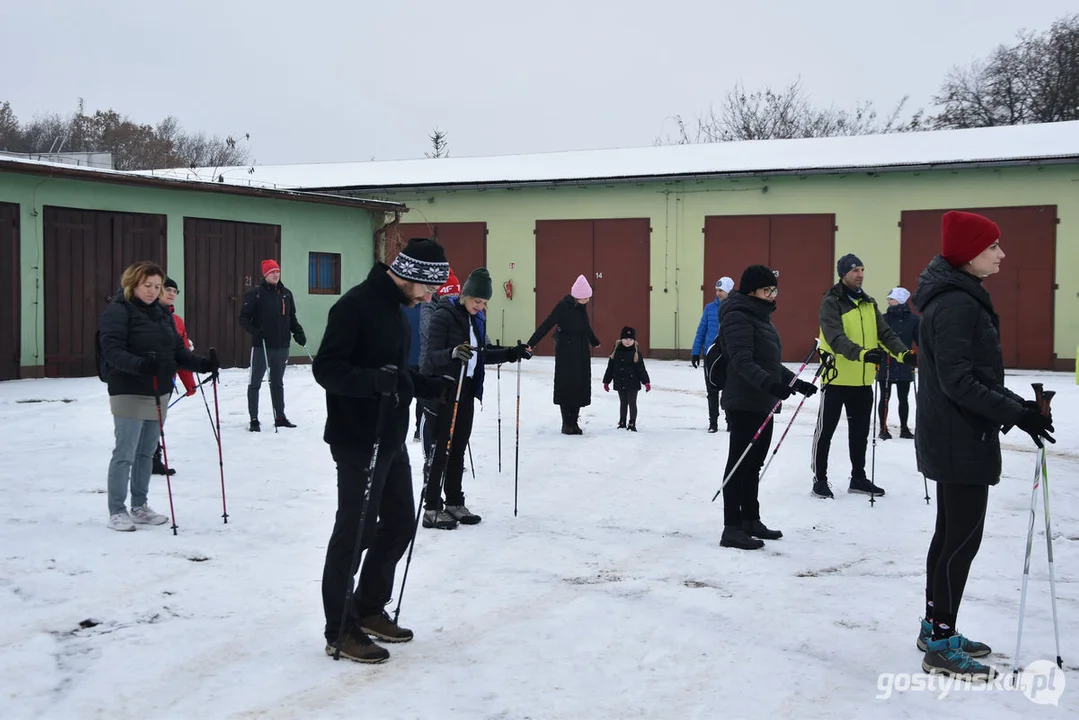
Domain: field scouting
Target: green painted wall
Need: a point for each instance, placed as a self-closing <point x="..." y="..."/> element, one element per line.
<point x="867" y="210"/>
<point x="305" y="227"/>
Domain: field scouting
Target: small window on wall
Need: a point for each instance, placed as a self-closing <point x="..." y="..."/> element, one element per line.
<point x="324" y="273"/>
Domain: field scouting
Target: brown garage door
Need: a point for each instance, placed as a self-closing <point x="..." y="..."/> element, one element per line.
<point x="9" y="284"/>
<point x="801" y="247"/>
<point x="222" y="261"/>
<point x="465" y="243"/>
<point x="1028" y="238"/>
<point x="86" y="252"/>
<point x="614" y="256"/>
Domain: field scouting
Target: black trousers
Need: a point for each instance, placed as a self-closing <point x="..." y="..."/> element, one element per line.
<point x="858" y="402"/>
<point x="956" y="539"/>
<point x="902" y="391"/>
<point x="713" y="400"/>
<point x="278" y="358"/>
<point x="436" y="433"/>
<point x="388" y="529"/>
<point x="740" y="493"/>
<point x="627" y="400"/>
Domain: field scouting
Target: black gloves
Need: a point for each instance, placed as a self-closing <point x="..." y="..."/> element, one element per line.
<point x="208" y="364"/>
<point x="911" y="359"/>
<point x="780" y="390"/>
<point x="300" y="338"/>
<point x="520" y="352"/>
<point x="695" y="361"/>
<point x="151" y="367"/>
<point x="385" y="380"/>
<point x="462" y="352"/>
<point x="1036" y="425"/>
<point x="873" y="357"/>
<point x="803" y="388"/>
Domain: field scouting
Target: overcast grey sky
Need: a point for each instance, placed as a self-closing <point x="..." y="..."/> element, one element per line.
<point x="331" y="80"/>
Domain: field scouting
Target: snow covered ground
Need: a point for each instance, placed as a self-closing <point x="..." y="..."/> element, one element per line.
<point x="607" y="597"/>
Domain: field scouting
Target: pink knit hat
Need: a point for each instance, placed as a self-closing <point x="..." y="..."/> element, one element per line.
<point x="581" y="289"/>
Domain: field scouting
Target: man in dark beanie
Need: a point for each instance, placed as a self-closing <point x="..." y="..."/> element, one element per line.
<point x="456" y="341"/>
<point x="852" y="331"/>
<point x="363" y="358"/>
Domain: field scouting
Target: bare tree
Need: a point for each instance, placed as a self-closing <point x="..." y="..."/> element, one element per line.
<point x="196" y="150"/>
<point x="1036" y="80"/>
<point x="439" y="144"/>
<point x="766" y="114"/>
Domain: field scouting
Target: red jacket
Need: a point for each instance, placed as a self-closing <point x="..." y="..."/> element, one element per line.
<point x="186" y="377"/>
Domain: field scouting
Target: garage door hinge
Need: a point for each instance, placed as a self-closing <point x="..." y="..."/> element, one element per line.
<point x="835" y="228"/>
<point x="900" y="223"/>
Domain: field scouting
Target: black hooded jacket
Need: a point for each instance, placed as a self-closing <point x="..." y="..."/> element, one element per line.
<point x="751" y="343"/>
<point x="962" y="401"/>
<point x="366" y="330"/>
<point x="269" y="313"/>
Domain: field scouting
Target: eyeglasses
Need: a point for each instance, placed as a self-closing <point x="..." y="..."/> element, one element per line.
<point x="771" y="291"/>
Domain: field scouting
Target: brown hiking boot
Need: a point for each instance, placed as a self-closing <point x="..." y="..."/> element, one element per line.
<point x="385" y="629"/>
<point x="357" y="647"/>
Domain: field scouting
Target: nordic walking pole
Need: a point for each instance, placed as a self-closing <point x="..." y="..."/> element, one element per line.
<point x="873" y="457"/>
<point x="1044" y="398"/>
<point x="308" y="353"/>
<point x="498" y="375"/>
<point x="470" y="463"/>
<point x="164" y="450"/>
<point x="217" y="432"/>
<point x="925" y="480"/>
<point x="789" y="424"/>
<point x="350" y="591"/>
<point x="429" y="466"/>
<point x="517" y="436"/>
<point x="764" y="424"/>
<point x="266" y="356"/>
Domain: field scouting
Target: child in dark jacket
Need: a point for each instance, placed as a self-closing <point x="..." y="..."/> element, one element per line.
<point x="626" y="369"/>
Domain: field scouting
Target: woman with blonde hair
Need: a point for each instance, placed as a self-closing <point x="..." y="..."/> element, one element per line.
<point x="141" y="351"/>
<point x="626" y="369"/>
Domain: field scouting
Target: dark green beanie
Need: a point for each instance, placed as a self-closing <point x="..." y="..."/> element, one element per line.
<point x="478" y="284"/>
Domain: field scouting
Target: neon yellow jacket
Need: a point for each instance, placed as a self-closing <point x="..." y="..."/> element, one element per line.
<point x="848" y="328"/>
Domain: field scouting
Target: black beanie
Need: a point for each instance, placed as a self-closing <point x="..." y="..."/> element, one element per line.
<point x="478" y="284"/>
<point x="847" y="263"/>
<point x="628" y="333"/>
<point x="170" y="283"/>
<point x="756" y="277"/>
<point x="422" y="261"/>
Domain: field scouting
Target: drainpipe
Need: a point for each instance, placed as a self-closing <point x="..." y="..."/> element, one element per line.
<point x="380" y="236"/>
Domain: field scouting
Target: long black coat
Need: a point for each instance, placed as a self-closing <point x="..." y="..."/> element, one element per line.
<point x="573" y="343"/>
<point x="905" y="324"/>
<point x="962" y="401"/>
<point x="754" y="354"/>
<point x="626" y="372"/>
<point x="367" y="329"/>
<point x="131" y="330"/>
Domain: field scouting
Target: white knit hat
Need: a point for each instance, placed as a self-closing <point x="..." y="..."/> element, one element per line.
<point x="900" y="295"/>
<point x="725" y="284"/>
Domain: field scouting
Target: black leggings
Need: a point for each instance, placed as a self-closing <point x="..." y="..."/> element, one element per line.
<point x="960" y="522"/>
<point x="627" y="399"/>
<point x="902" y="390"/>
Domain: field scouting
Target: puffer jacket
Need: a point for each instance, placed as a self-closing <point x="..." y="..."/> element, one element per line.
<point x="751" y="343"/>
<point x="905" y="324"/>
<point x="707" y="328"/>
<point x="962" y="402"/>
<point x="131" y="331"/>
<point x="447" y="329"/>
<point x="848" y="328"/>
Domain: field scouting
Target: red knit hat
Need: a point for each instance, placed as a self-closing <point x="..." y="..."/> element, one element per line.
<point x="452" y="286"/>
<point x="965" y="235"/>
<point x="268" y="266"/>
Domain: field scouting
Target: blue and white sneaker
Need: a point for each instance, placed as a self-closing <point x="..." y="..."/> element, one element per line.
<point x="945" y="657"/>
<point x="970" y="647"/>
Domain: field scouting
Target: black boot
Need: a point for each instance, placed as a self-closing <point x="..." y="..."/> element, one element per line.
<point x="735" y="537"/>
<point x="757" y="529"/>
<point x="159" y="467"/>
<point x="283" y="422"/>
<point x="905" y="433"/>
<point x="713" y="426"/>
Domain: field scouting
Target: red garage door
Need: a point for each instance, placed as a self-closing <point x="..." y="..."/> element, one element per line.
<point x="800" y="247"/>
<point x="1028" y="238"/>
<point x="614" y="256"/>
<point x="465" y="243"/>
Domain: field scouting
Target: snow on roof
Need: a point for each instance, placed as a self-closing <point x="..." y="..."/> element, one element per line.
<point x="184" y="181"/>
<point x="1011" y="145"/>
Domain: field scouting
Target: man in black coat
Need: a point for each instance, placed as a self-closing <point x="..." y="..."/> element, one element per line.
<point x="269" y="315"/>
<point x="366" y="333"/>
<point x="962" y="407"/>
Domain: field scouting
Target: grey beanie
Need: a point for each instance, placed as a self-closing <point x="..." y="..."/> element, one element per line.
<point x="478" y="284"/>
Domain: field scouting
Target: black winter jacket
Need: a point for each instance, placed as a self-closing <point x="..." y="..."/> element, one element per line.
<point x="132" y="331"/>
<point x="269" y="313"/>
<point x="905" y="325"/>
<point x="366" y="330"/>
<point x="447" y="329"/>
<point x="754" y="353"/>
<point x="572" y="351"/>
<point x="627" y="373"/>
<point x="962" y="401"/>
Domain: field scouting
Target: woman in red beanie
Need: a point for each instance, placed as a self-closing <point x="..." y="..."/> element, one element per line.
<point x="963" y="406"/>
